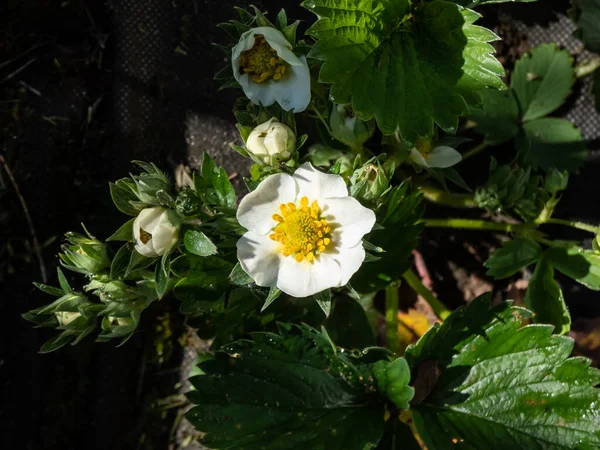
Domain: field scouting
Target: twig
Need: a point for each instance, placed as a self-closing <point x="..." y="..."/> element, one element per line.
<point x="19" y="70"/>
<point x="36" y="244"/>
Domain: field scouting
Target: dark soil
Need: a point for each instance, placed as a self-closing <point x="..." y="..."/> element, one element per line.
<point x="86" y="88"/>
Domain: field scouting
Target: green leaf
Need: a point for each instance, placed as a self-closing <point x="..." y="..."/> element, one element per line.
<point x="50" y="290"/>
<point x="497" y="117"/>
<point x="348" y="324"/>
<point x="581" y="265"/>
<point x="544" y="297"/>
<point x="137" y="262"/>
<point x="274" y="294"/>
<point x="392" y="379"/>
<point x="495" y="385"/>
<point x="203" y="279"/>
<point x="57" y="342"/>
<point x="324" y="301"/>
<point x="62" y="281"/>
<point x="386" y="62"/>
<point x="512" y="257"/>
<point x="161" y="275"/>
<point x="542" y="80"/>
<point x="588" y="23"/>
<point x="480" y="69"/>
<point x="398" y="236"/>
<point x="124" y="233"/>
<point x="290" y="390"/>
<point x="122" y="196"/>
<point x="552" y="143"/>
<point x="239" y="277"/>
<point x="214" y="186"/>
<point x="120" y="262"/>
<point x="198" y="243"/>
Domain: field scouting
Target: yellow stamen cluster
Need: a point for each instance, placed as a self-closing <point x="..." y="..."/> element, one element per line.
<point x="261" y="62"/>
<point x="301" y="230"/>
<point x="424" y="147"/>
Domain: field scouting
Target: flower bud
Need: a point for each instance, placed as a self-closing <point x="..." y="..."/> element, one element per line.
<point x="84" y="254"/>
<point x="369" y="182"/>
<point x="155" y="231"/>
<point x="271" y="141"/>
<point x="349" y="129"/>
<point x="66" y="317"/>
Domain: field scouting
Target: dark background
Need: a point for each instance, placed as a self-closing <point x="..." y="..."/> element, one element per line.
<point x="86" y="87"/>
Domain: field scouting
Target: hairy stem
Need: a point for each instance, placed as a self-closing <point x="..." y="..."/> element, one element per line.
<point x="417" y="285"/>
<point x="473" y="224"/>
<point x="436" y="195"/>
<point x="392" y="302"/>
<point x="578" y="225"/>
<point x="475" y="150"/>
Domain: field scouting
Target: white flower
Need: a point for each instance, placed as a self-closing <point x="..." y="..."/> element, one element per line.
<point x="66" y="317"/>
<point x="271" y="139"/>
<point x="439" y="158"/>
<point x="304" y="232"/>
<point x="268" y="71"/>
<point x="155" y="231"/>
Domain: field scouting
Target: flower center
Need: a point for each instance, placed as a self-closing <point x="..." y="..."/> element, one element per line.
<point x="144" y="236"/>
<point x="261" y="62"/>
<point x="301" y="230"/>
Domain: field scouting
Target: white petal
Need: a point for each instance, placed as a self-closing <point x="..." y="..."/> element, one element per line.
<point x="350" y="220"/>
<point x="146" y="250"/>
<point x="416" y="157"/>
<point x="443" y="157"/>
<point x="246" y="42"/>
<point x="292" y="91"/>
<point x="164" y="237"/>
<point x="256" y="209"/>
<point x="350" y="260"/>
<point x="317" y="185"/>
<point x="260" y="258"/>
<point x="302" y="279"/>
<point x="280" y="44"/>
<point x="258" y="93"/>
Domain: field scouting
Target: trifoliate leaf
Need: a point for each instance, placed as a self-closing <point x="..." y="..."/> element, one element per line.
<point x="497" y="117"/>
<point x="290" y="390"/>
<point x="552" y="143"/>
<point x="588" y="23"/>
<point x="581" y="265"/>
<point x="495" y="385"/>
<point x="512" y="257"/>
<point x="400" y="68"/>
<point x="544" y="297"/>
<point x="198" y="243"/>
<point x="542" y="80"/>
<point x="392" y="380"/>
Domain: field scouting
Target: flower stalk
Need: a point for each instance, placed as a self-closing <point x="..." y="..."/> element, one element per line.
<point x="417" y="285"/>
<point x="392" y="306"/>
